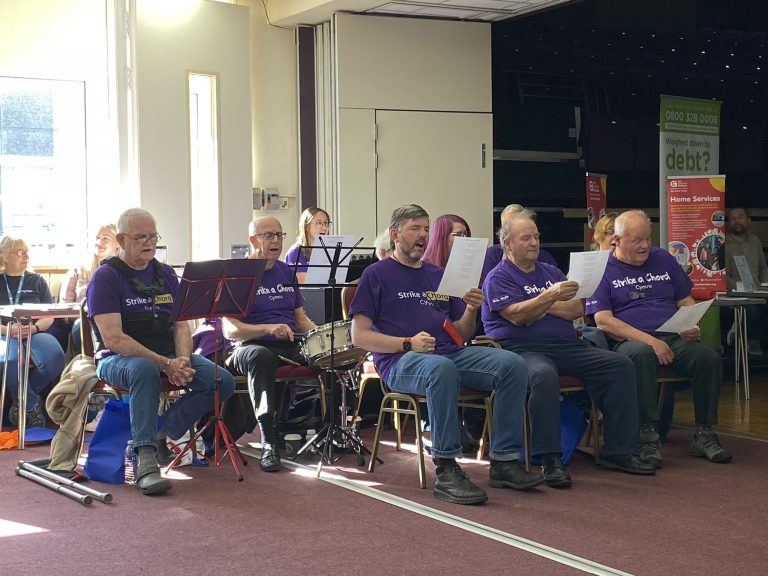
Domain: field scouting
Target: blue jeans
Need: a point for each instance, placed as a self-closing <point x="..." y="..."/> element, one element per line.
<point x="439" y="378"/>
<point x="141" y="378"/>
<point x="47" y="358"/>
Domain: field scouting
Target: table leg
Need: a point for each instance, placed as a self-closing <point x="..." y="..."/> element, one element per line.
<point x="742" y="347"/>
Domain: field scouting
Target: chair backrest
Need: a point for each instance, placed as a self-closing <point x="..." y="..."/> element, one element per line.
<point x="86" y="336"/>
<point x="347" y="294"/>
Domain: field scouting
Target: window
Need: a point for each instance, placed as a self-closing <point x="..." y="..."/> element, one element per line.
<point x="43" y="167"/>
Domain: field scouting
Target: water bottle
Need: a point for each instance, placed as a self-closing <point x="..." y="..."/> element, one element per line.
<point x="130" y="463"/>
<point x="310" y="449"/>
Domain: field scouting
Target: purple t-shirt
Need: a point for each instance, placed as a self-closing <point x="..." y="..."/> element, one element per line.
<point x="294" y="254"/>
<point x="400" y="301"/>
<point x="494" y="255"/>
<point x="109" y="292"/>
<point x="506" y="284"/>
<point x="642" y="296"/>
<point x="276" y="300"/>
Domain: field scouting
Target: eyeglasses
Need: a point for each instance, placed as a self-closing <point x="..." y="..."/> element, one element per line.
<point x="322" y="222"/>
<point x="21" y="253"/>
<point x="459" y="234"/>
<point x="145" y="238"/>
<point x="269" y="236"/>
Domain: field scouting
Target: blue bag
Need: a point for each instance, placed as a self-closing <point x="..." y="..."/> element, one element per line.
<point x="106" y="454"/>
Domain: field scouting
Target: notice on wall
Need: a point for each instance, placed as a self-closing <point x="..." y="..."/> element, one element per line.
<point x="596" y="201"/>
<point x="696" y="232"/>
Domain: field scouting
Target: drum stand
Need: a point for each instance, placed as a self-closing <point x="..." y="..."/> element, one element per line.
<point x="332" y="434"/>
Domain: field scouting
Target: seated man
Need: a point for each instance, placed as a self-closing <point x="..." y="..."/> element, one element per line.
<point x="397" y="315"/>
<point x="530" y="307"/>
<point x="740" y="242"/>
<point x="130" y="298"/>
<point x="495" y="253"/>
<point x="266" y="333"/>
<point x="642" y="288"/>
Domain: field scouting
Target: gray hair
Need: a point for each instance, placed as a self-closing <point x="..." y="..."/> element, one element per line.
<point x="383" y="245"/>
<point x="506" y="229"/>
<point x="124" y="221"/>
<point x="619" y="227"/>
<point x="408" y="212"/>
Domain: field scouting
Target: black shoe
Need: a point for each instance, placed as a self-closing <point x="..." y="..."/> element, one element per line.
<point x="164" y="454"/>
<point x="648" y="441"/>
<point x="555" y="474"/>
<point x="511" y="474"/>
<point x="706" y="444"/>
<point x="270" y="459"/>
<point x="13" y="414"/>
<point x="453" y="485"/>
<point x="148" y="478"/>
<point x="627" y="463"/>
<point x="35" y="417"/>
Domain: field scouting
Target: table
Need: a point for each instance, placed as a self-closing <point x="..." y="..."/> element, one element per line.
<point x="24" y="314"/>
<point x="739" y="304"/>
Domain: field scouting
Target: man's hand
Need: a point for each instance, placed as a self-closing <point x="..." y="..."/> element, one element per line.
<point x="281" y="331"/>
<point x="562" y="291"/>
<point x="473" y="298"/>
<point x="692" y="335"/>
<point x="663" y="352"/>
<point x="423" y="342"/>
<point x="179" y="371"/>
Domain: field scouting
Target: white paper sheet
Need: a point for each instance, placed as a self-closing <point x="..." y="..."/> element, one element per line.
<point x="685" y="318"/>
<point x="747" y="281"/>
<point x="319" y="264"/>
<point x="465" y="265"/>
<point x="587" y="268"/>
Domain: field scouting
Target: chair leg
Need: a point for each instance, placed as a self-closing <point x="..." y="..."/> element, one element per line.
<point x="526" y="440"/>
<point x="377" y="435"/>
<point x="419" y="443"/>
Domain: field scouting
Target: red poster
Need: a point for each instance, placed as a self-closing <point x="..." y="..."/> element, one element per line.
<point x="696" y="230"/>
<point x="596" y="202"/>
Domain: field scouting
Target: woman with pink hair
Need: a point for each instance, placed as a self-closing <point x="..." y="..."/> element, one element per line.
<point x="441" y="235"/>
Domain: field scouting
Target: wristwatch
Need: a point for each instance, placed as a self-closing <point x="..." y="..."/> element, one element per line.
<point x="407" y="344"/>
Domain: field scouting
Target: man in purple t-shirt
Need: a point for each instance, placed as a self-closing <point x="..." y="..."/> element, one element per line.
<point x="495" y="253"/>
<point x="530" y="307"/>
<point x="397" y="315"/>
<point x="129" y="302"/>
<point x="642" y="288"/>
<point x="266" y="332"/>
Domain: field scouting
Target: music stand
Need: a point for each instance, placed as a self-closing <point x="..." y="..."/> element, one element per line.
<point x="216" y="288"/>
<point x="323" y="441"/>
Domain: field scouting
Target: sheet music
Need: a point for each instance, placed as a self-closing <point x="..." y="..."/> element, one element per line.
<point x="319" y="269"/>
<point x="748" y="282"/>
<point x="587" y="268"/>
<point x="685" y="318"/>
<point x="464" y="267"/>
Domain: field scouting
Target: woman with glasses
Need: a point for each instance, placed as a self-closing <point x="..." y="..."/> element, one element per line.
<point x="313" y="222"/>
<point x="47" y="357"/>
<point x="602" y="239"/>
<point x="441" y="236"/>
<point x="74" y="285"/>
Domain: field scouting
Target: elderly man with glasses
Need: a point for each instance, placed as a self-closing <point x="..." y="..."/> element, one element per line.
<point x="265" y="335"/>
<point x="130" y="298"/>
<point x="642" y="288"/>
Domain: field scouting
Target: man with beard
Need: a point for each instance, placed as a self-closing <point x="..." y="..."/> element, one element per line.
<point x="740" y="242"/>
<point x="397" y="315"/>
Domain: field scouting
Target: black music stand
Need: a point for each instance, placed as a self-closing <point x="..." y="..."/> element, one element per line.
<point x="323" y="441"/>
<point x="216" y="288"/>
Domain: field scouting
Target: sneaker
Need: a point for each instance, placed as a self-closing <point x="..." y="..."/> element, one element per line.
<point x="706" y="444"/>
<point x="512" y="474"/>
<point x="13" y="414"/>
<point x="453" y="485"/>
<point x="627" y="463"/>
<point x="648" y="441"/>
<point x="35" y="418"/>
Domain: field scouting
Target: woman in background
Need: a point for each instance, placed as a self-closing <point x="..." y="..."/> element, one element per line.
<point x="47" y="357"/>
<point x="441" y="236"/>
<point x="313" y="222"/>
<point x="76" y="281"/>
<point x="603" y="237"/>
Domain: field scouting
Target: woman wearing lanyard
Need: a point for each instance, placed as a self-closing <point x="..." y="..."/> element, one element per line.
<point x="17" y="286"/>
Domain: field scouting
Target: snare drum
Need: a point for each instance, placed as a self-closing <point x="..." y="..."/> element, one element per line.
<point x="316" y="348"/>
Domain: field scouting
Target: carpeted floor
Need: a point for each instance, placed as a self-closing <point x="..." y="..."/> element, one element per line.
<point x="693" y="517"/>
